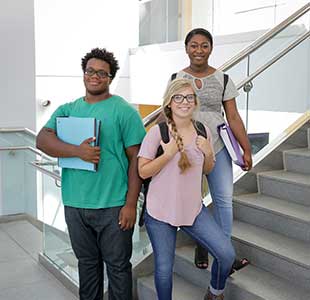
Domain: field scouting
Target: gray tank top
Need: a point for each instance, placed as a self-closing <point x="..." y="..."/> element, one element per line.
<point x="210" y="95"/>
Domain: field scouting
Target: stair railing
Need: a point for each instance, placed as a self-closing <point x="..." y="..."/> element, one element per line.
<point x="258" y="43"/>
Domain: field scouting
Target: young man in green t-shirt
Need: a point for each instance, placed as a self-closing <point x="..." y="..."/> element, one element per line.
<point x="100" y="207"/>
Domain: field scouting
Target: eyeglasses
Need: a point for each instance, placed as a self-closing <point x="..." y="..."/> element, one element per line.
<point x="178" y="98"/>
<point x="101" y="73"/>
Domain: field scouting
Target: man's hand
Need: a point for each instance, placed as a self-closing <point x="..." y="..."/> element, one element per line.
<point x="127" y="217"/>
<point x="88" y="152"/>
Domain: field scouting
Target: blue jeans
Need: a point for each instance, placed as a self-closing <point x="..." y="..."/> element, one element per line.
<point x="220" y="181"/>
<point x="205" y="231"/>
<point x="96" y="238"/>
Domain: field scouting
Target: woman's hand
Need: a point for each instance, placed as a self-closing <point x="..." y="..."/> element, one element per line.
<point x="247" y="157"/>
<point x="204" y="146"/>
<point x="170" y="149"/>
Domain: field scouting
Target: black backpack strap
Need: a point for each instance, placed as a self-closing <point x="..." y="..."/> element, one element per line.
<point x="201" y="129"/>
<point x="173" y="76"/>
<point x="146" y="183"/>
<point x="224" y="86"/>
<point x="164" y="132"/>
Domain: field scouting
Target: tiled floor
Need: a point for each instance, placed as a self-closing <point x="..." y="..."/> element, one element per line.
<point x="21" y="275"/>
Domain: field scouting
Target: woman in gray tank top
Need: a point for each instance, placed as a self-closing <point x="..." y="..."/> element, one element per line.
<point x="208" y="83"/>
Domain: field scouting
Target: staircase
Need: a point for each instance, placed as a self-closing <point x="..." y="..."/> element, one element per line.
<point x="271" y="228"/>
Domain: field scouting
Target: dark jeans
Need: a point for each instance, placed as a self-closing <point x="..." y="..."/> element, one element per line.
<point x="96" y="238"/>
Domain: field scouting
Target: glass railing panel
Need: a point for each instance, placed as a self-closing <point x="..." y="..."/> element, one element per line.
<point x="239" y="71"/>
<point x="249" y="64"/>
<point x="56" y="242"/>
<point x="18" y="181"/>
<point x="16" y="139"/>
<point x="141" y="242"/>
<point x="276" y="99"/>
<point x="279" y="42"/>
<point x="18" y="184"/>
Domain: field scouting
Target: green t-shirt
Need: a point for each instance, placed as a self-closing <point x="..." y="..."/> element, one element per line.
<point x="121" y="127"/>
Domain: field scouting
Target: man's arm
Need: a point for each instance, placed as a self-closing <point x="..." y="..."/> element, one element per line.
<point x="48" y="142"/>
<point x="127" y="216"/>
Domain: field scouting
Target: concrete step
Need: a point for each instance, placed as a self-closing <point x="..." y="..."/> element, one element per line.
<point x="250" y="283"/>
<point x="297" y="160"/>
<point x="182" y="289"/>
<point x="285" y="257"/>
<point x="275" y="158"/>
<point x="273" y="161"/>
<point x="285" y="185"/>
<point x="278" y="215"/>
<point x="248" y="183"/>
<point x="299" y="138"/>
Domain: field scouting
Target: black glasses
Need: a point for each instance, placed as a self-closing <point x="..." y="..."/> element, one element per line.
<point x="100" y="73"/>
<point x="178" y="98"/>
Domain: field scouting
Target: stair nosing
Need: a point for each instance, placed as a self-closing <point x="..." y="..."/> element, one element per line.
<point x="271" y="251"/>
<point x="281" y="179"/>
<point x="238" y="284"/>
<point x="265" y="209"/>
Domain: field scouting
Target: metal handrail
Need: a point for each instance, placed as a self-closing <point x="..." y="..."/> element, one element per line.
<point x="265" y="38"/>
<point x="34" y="150"/>
<point x="250" y="49"/>
<point x="18" y="129"/>
<point x="39" y="167"/>
<point x="273" y="60"/>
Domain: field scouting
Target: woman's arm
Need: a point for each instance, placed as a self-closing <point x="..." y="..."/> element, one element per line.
<point x="238" y="129"/>
<point x="149" y="167"/>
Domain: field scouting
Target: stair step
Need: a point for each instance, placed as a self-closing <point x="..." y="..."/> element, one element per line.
<point x="297" y="160"/>
<point x="299" y="138"/>
<point x="278" y="215"/>
<point x="285" y="185"/>
<point x="273" y="161"/>
<point x="247" y="284"/>
<point x="278" y="254"/>
<point x="182" y="289"/>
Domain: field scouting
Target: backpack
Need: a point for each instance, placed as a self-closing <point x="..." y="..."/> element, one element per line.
<point x="164" y="133"/>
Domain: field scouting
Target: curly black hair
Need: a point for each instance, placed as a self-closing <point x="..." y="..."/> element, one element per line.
<point x="104" y="55"/>
<point x="200" y="31"/>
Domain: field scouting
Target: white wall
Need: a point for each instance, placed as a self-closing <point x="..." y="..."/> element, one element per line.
<point x="66" y="31"/>
<point x="17" y="61"/>
<point x="224" y="17"/>
<point x="151" y="66"/>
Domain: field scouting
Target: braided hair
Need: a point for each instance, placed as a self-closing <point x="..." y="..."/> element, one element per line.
<point x="173" y="88"/>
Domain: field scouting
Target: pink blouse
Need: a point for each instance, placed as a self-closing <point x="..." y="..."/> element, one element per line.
<point x="173" y="197"/>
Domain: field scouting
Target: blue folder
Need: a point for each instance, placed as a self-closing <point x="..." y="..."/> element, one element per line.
<point x="74" y="130"/>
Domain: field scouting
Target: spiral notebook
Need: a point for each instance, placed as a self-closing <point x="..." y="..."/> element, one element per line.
<point x="75" y="130"/>
<point x="231" y="144"/>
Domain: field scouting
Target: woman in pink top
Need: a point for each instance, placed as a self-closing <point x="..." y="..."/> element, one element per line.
<point x="174" y="196"/>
